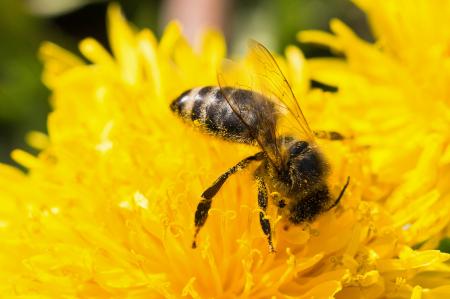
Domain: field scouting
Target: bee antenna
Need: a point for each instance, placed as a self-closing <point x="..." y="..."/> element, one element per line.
<point x="340" y="194"/>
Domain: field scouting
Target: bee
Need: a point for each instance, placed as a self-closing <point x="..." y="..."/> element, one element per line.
<point x="290" y="163"/>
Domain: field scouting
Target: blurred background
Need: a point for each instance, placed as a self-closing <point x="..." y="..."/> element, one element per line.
<point x="24" y="24"/>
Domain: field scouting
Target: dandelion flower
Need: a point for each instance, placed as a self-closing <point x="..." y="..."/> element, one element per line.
<point x="399" y="88"/>
<point x="106" y="208"/>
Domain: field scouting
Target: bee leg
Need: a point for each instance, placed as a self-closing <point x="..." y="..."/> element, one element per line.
<point x="262" y="203"/>
<point x="340" y="195"/>
<point x="201" y="214"/>
<point x="330" y="135"/>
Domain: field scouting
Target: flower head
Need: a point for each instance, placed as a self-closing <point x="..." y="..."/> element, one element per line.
<point x="106" y="208"/>
<point x="398" y="86"/>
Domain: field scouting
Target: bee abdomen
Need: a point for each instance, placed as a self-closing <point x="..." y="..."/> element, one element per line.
<point x="208" y="107"/>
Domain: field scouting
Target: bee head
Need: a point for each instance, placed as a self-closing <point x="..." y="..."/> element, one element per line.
<point x="309" y="205"/>
<point x="305" y="165"/>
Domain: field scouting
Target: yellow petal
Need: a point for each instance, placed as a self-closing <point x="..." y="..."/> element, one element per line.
<point x="123" y="43"/>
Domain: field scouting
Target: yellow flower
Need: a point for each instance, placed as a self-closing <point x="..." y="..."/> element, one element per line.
<point x="106" y="208"/>
<point x="399" y="89"/>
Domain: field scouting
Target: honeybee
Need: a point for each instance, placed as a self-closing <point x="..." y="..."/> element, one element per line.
<point x="289" y="163"/>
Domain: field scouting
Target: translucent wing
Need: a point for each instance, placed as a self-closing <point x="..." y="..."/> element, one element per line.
<point x="253" y="110"/>
<point x="273" y="84"/>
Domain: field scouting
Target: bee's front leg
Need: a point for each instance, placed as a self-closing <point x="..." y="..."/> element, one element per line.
<point x="262" y="203"/>
<point x="203" y="207"/>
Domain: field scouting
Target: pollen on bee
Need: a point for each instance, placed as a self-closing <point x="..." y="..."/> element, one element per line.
<point x="275" y="195"/>
<point x="197" y="123"/>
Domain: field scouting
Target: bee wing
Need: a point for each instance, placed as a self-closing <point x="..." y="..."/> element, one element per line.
<point x="273" y="84"/>
<point x="235" y="75"/>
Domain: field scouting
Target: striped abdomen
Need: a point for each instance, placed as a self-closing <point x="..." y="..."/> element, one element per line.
<point x="211" y="108"/>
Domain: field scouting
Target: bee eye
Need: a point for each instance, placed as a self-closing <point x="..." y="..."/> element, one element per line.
<point x="298" y="148"/>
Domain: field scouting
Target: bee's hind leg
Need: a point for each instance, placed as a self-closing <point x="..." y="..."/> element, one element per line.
<point x="201" y="214"/>
<point x="262" y="203"/>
